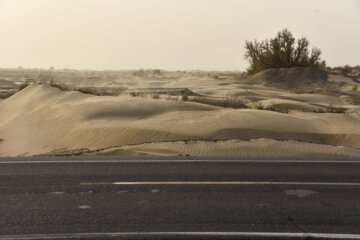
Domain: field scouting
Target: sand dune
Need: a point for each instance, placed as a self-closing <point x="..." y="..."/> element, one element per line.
<point x="45" y="120"/>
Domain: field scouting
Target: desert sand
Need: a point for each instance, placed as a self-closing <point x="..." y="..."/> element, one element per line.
<point x="267" y="114"/>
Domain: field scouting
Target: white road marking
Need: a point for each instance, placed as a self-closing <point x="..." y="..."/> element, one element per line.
<point x="221" y="183"/>
<point x="317" y="183"/>
<point x="301" y="193"/>
<point x="88" y="192"/>
<point x="84" y="206"/>
<point x="179" y="235"/>
<point x="178" y="161"/>
<point x="56" y="193"/>
<point x="123" y="191"/>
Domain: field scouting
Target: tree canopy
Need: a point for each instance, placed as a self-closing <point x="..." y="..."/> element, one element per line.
<point x="283" y="51"/>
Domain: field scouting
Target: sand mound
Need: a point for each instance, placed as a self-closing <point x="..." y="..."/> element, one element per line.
<point x="296" y="79"/>
<point x="45" y="120"/>
<point x="318" y="99"/>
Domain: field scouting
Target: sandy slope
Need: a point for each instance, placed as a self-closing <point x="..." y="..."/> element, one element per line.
<point x="43" y="120"/>
<point x="255" y="147"/>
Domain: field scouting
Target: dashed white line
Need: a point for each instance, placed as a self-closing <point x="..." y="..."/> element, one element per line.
<point x="84" y="207"/>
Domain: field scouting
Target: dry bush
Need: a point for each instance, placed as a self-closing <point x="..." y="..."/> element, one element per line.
<point x="23" y="85"/>
<point x="155" y="96"/>
<point x="88" y="90"/>
<point x="233" y="103"/>
<point x="335" y="109"/>
<point x="226" y="102"/>
<point x="62" y="87"/>
<point x="258" y="105"/>
<point x="331" y="109"/>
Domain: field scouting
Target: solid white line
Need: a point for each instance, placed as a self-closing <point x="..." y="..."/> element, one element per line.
<point x="179" y="235"/>
<point x="178" y="161"/>
<point x="317" y="183"/>
<point x="221" y="183"/>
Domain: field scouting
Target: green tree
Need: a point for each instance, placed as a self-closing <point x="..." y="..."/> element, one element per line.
<point x="282" y="51"/>
<point x="346" y="70"/>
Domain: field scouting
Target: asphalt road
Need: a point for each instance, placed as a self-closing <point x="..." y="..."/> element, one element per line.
<point x="60" y="198"/>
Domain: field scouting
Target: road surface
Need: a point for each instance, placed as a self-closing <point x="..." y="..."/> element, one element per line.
<point x="89" y="198"/>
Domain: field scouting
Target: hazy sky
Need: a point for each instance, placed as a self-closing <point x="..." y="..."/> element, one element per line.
<point x="168" y="34"/>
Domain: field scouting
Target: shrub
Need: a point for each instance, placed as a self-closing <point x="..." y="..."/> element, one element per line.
<point x="354" y="87"/>
<point x="157" y="72"/>
<point x="184" y="97"/>
<point x="346" y="70"/>
<point x="156" y="96"/>
<point x="282" y="51"/>
<point x="325" y="90"/>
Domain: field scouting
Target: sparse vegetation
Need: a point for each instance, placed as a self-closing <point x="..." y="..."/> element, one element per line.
<point x="137" y="94"/>
<point x="99" y="91"/>
<point x="139" y="73"/>
<point x="325" y="90"/>
<point x="283" y="51"/>
<point x="346" y="70"/>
